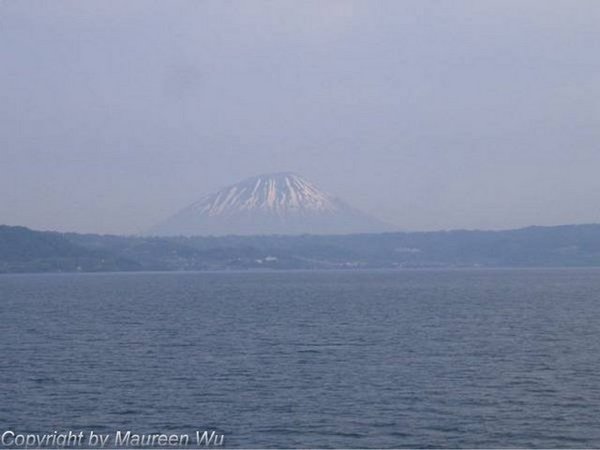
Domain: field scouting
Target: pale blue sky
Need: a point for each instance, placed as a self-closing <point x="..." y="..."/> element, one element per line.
<point x="427" y="114"/>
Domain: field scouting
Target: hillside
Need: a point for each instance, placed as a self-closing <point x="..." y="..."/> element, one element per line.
<point x="25" y="250"/>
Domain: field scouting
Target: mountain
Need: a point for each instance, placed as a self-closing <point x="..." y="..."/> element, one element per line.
<point x="279" y="203"/>
<point x="24" y="250"/>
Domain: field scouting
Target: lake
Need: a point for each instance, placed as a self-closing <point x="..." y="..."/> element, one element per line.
<point x="427" y="358"/>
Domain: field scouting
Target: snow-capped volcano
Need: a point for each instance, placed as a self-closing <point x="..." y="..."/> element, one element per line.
<point x="280" y="203"/>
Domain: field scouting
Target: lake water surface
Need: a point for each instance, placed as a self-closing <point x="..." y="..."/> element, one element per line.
<point x="469" y="358"/>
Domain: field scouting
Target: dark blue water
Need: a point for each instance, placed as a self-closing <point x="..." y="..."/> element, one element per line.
<point x="489" y="358"/>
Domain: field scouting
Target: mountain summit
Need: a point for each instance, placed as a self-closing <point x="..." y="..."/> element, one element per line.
<point x="279" y="203"/>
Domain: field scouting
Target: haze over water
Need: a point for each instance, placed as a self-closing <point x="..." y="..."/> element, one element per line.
<point x="457" y="358"/>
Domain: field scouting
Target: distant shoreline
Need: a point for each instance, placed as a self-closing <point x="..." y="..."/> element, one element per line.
<point x="23" y="250"/>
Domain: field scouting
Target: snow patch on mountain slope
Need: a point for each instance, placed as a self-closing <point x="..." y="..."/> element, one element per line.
<point x="279" y="193"/>
<point x="280" y="203"/>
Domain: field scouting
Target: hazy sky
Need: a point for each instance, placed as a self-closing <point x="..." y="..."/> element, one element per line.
<point x="427" y="114"/>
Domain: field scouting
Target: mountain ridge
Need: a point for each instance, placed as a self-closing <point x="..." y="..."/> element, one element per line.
<point x="24" y="250"/>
